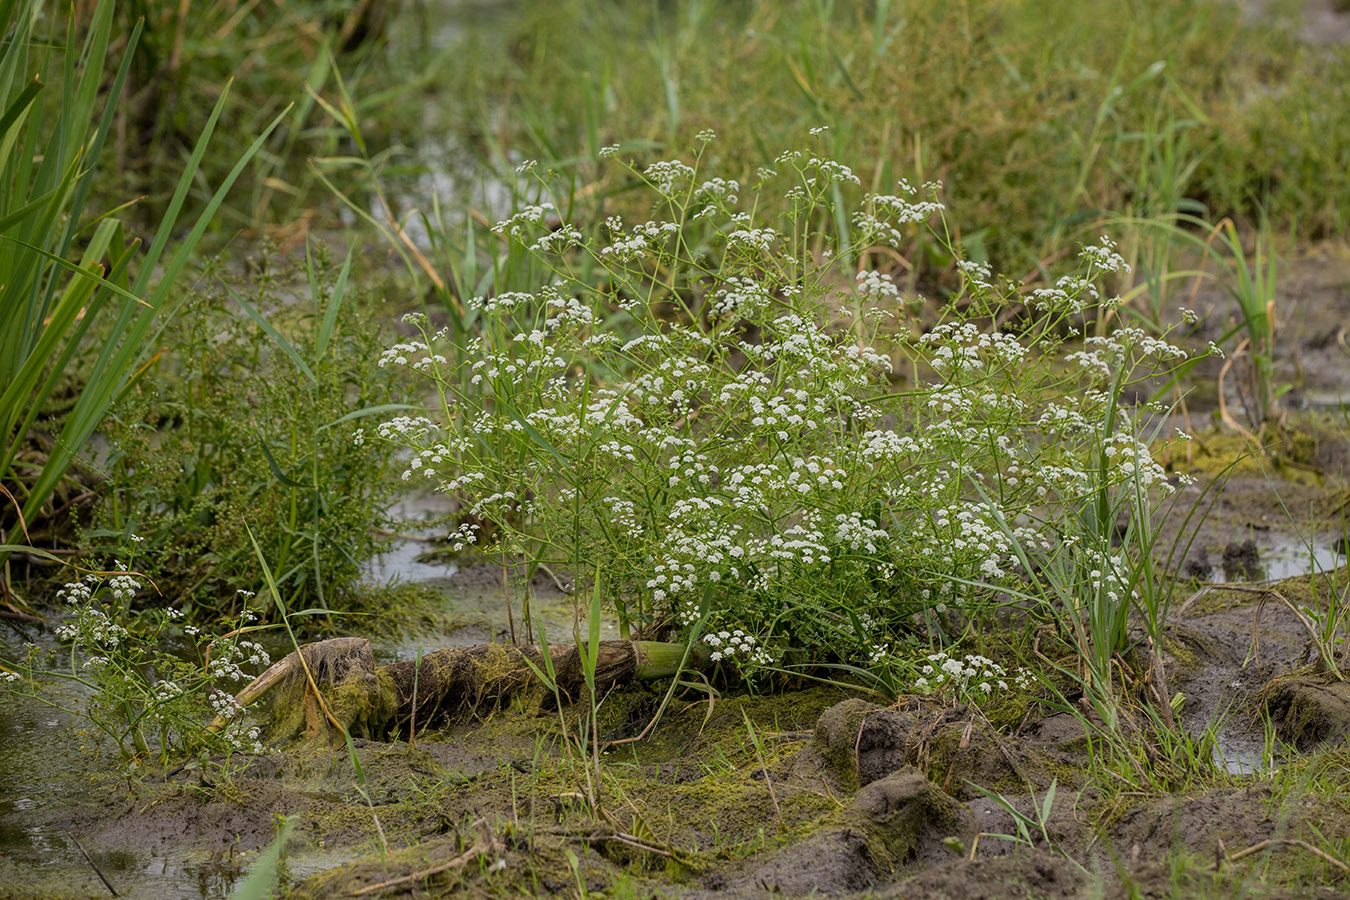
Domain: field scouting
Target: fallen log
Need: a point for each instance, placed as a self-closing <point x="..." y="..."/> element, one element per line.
<point x="326" y="688"/>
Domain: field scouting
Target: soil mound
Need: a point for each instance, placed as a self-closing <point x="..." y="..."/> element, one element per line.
<point x="892" y="822"/>
<point x="1237" y="817"/>
<point x="1028" y="873"/>
<point x="859" y="743"/>
<point x="1309" y="710"/>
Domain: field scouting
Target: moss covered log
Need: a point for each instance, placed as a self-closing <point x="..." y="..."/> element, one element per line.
<point x="332" y="686"/>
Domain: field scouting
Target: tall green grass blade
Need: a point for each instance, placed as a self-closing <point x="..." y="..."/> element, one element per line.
<point x="547" y="676"/>
<point x="107" y="379"/>
<point x="45" y="322"/>
<point x="69" y="319"/>
<point x="12" y="121"/>
<point x="189" y="244"/>
<point x="27" y="210"/>
<point x="32" y="551"/>
<point x="78" y="269"/>
<point x="592" y="652"/>
<point x="165" y="231"/>
<point x="277" y="338"/>
<point x="261" y="882"/>
<point x="334" y="305"/>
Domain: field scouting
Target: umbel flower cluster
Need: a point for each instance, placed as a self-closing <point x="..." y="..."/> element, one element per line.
<point x="973" y="675"/>
<point x="144" y="698"/>
<point x="742" y="425"/>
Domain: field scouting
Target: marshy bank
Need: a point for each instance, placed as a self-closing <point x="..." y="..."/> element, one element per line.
<point x="809" y="449"/>
<point x="812" y="789"/>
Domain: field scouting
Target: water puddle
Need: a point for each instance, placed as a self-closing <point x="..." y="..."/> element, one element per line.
<point x="419" y="519"/>
<point x="1240" y="755"/>
<point x="439" y="174"/>
<point x="46" y="764"/>
<point x="1269" y="557"/>
<point x="452" y="173"/>
<point x="409" y="560"/>
<point x="48" y="859"/>
<point x="1288" y="559"/>
<point x="479" y="615"/>
<point x="476" y="594"/>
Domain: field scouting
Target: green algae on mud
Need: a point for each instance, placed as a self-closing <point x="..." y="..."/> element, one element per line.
<point x="893" y="836"/>
<point x="696" y="801"/>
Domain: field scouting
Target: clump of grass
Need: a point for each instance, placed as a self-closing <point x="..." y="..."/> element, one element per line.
<point x="248" y="416"/>
<point x="70" y="275"/>
<point x="1254" y="286"/>
<point x="277" y="56"/>
<point x="1171" y="109"/>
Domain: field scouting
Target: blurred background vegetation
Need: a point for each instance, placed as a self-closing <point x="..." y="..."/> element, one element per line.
<point x="1040" y="119"/>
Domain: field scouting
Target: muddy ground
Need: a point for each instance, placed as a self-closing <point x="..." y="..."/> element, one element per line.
<point x="812" y="791"/>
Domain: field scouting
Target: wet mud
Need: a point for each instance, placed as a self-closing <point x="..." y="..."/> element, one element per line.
<point x="807" y="792"/>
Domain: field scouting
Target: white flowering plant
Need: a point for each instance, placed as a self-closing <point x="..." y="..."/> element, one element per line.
<point x="737" y="650"/>
<point x="971" y="678"/>
<point x="708" y="408"/>
<point x="149" y="700"/>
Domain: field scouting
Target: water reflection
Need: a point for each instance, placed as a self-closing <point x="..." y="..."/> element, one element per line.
<point x="1270" y="557"/>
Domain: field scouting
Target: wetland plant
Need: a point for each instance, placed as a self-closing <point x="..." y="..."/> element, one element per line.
<point x="249" y="420"/>
<point x="704" y="402"/>
<point x="71" y="277"/>
<point x="1125" y="107"/>
<point x="1253" y="286"/>
<point x="152" y="680"/>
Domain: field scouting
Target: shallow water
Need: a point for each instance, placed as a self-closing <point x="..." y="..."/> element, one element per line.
<point x="46" y="763"/>
<point x="1279" y="556"/>
<point x="478" y="614"/>
<point x="405" y="562"/>
<point x="444" y="177"/>
<point x="1240" y="755"/>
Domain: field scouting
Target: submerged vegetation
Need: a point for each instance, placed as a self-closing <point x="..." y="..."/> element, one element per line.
<point x="823" y="413"/>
